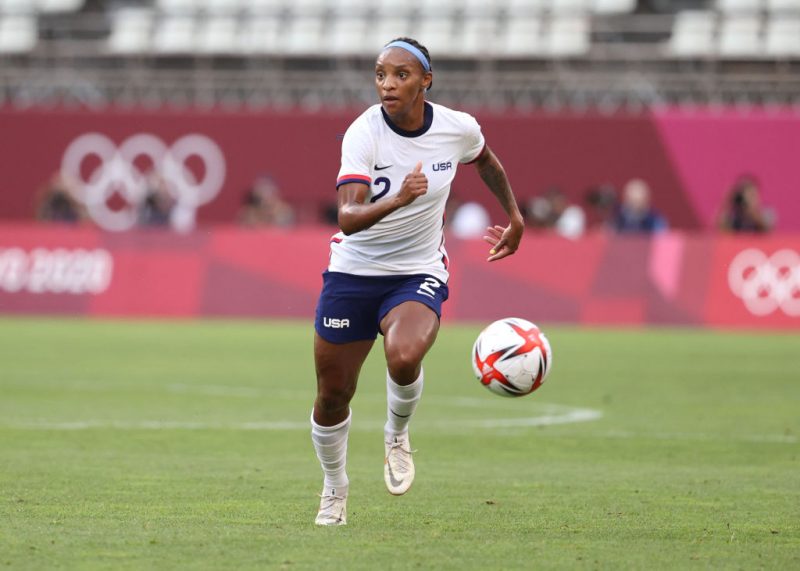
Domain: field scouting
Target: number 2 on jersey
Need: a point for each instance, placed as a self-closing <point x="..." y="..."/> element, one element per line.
<point x="387" y="184"/>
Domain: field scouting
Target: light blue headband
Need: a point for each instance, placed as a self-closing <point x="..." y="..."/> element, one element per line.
<point x="412" y="50"/>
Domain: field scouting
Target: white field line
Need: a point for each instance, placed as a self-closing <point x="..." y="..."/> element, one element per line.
<point x="571" y="416"/>
<point x="489" y="401"/>
<point x="548" y="415"/>
<point x="552" y="414"/>
<point x="567" y="417"/>
<point x="371" y="425"/>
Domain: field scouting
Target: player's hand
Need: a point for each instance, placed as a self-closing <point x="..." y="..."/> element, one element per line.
<point x="504" y="240"/>
<point x="414" y="185"/>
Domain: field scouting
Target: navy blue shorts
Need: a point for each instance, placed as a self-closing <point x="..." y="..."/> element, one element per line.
<point x="351" y="308"/>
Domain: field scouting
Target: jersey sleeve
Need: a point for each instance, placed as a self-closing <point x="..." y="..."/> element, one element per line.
<point x="474" y="143"/>
<point x="357" y="155"/>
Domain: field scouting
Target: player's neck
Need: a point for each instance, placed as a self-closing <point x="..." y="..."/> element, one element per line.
<point x="413" y="119"/>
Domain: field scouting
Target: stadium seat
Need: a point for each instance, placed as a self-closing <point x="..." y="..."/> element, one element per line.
<point x="175" y="35"/>
<point x="18" y="33"/>
<point x="178" y="7"/>
<point x="477" y="38"/>
<point x="395" y="8"/>
<point x="480" y="9"/>
<point x="386" y="29"/>
<point x="783" y="6"/>
<point x="260" y="35"/>
<point x="349" y="36"/>
<point x="131" y="30"/>
<point x="692" y="34"/>
<point x="307" y="8"/>
<point x="12" y="7"/>
<point x="436" y="8"/>
<point x="568" y="36"/>
<point x="525" y="8"/>
<point x="303" y="36"/>
<point x="218" y="35"/>
<point x="522" y="38"/>
<point x="59" y="6"/>
<point x="740" y="36"/>
<point x="782" y="37"/>
<point x="613" y="6"/>
<point x="567" y="7"/>
<point x="438" y="35"/>
<point x="351" y="8"/>
<point x="221" y="7"/>
<point x="263" y="8"/>
<point x="739" y="6"/>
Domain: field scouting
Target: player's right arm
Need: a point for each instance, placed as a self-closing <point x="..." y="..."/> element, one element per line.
<point x="357" y="213"/>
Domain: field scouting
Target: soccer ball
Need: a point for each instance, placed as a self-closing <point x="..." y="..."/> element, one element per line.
<point x="511" y="357"/>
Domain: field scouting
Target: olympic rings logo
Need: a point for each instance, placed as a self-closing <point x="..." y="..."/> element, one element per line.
<point x="118" y="173"/>
<point x="766" y="284"/>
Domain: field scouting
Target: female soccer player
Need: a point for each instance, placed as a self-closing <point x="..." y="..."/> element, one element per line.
<point x="388" y="266"/>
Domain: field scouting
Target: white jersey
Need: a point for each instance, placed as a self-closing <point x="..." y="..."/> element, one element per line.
<point x="379" y="154"/>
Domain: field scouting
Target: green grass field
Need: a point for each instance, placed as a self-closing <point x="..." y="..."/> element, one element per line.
<point x="166" y="445"/>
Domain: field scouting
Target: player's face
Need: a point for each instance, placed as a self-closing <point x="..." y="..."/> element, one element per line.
<point x="400" y="81"/>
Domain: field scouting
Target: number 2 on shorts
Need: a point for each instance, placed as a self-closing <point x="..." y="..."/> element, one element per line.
<point x="428" y="287"/>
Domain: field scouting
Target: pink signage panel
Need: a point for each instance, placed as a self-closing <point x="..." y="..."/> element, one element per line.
<point x="208" y="158"/>
<point x="676" y="278"/>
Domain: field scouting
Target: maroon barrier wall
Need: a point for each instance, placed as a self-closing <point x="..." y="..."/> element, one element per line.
<point x="690" y="158"/>
<point x="675" y="278"/>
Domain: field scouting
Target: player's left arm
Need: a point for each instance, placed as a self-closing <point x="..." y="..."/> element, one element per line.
<point x="504" y="240"/>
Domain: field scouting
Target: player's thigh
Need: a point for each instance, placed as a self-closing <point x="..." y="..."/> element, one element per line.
<point x="409" y="331"/>
<point x="339" y="364"/>
<point x="410" y="322"/>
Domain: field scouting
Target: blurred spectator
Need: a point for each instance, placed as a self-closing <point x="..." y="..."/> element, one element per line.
<point x="469" y="220"/>
<point x="536" y="212"/>
<point x="635" y="214"/>
<point x="553" y="211"/>
<point x="742" y="211"/>
<point x="329" y="214"/>
<point x="601" y="204"/>
<point x="57" y="202"/>
<point x="156" y="208"/>
<point x="262" y="205"/>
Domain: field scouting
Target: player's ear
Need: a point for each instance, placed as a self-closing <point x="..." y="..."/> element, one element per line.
<point x="427" y="81"/>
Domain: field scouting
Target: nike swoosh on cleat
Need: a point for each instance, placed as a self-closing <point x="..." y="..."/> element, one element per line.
<point x="377" y="168"/>
<point x="395" y="483"/>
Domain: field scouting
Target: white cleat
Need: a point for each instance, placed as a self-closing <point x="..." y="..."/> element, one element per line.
<point x="398" y="465"/>
<point x="332" y="507"/>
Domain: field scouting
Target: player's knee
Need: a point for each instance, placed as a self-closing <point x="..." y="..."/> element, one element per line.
<point x="331" y="400"/>
<point x="403" y="362"/>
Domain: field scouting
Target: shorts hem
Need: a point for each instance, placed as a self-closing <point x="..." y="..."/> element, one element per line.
<point x="401" y="302"/>
<point x="326" y="337"/>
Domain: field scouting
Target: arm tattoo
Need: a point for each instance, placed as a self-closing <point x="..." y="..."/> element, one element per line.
<point x="494" y="176"/>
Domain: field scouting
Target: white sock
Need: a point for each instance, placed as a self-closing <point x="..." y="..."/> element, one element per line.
<point x="401" y="401"/>
<point x="330" y="442"/>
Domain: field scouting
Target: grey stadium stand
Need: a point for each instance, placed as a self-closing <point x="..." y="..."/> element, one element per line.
<point x="494" y="53"/>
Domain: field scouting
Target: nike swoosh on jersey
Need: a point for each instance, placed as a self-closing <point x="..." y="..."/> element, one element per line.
<point x="377" y="168"/>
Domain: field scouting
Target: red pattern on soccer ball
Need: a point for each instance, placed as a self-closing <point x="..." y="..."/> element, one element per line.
<point x="531" y="340"/>
<point x="488" y="372"/>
